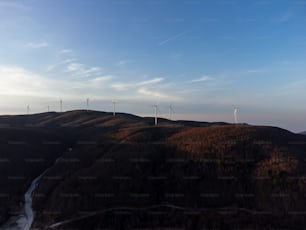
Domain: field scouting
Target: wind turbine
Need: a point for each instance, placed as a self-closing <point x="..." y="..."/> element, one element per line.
<point x="235" y="114"/>
<point x="155" y="113"/>
<point x="61" y="105"/>
<point x="28" y="109"/>
<point x="114" y="107"/>
<point x="170" y="111"/>
<point x="48" y="108"/>
<point x="87" y="104"/>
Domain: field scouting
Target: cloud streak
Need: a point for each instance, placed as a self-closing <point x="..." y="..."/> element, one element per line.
<point x="126" y="86"/>
<point x="65" y="53"/>
<point x="156" y="94"/>
<point x="123" y="63"/>
<point x="64" y="62"/>
<point x="260" y="70"/>
<point x="16" y="81"/>
<point x="202" y="79"/>
<point x="171" y="38"/>
<point x="81" y="70"/>
<point x="285" y="17"/>
<point x="22" y="87"/>
<point x="13" y="4"/>
<point x="36" y="45"/>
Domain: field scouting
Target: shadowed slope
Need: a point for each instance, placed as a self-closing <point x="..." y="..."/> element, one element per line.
<point x="124" y="172"/>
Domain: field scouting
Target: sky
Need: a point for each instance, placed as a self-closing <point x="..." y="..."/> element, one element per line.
<point x="200" y="56"/>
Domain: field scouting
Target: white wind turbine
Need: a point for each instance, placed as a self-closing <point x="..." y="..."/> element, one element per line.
<point x="156" y="109"/>
<point x="155" y="113"/>
<point x="61" y="105"/>
<point x="28" y="109"/>
<point x="87" y="104"/>
<point x="114" y="107"/>
<point x="235" y="114"/>
<point x="171" y="111"/>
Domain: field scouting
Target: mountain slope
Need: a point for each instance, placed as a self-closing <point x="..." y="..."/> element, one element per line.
<point x="24" y="154"/>
<point x="202" y="169"/>
<point x="123" y="172"/>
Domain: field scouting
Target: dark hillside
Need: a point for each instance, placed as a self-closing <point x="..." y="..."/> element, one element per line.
<point x="24" y="154"/>
<point x="242" y="169"/>
<point x="123" y="172"/>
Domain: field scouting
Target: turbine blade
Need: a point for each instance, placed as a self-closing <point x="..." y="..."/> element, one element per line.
<point x="158" y="101"/>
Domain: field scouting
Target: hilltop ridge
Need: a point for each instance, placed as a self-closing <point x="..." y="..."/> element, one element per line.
<point x="89" y="117"/>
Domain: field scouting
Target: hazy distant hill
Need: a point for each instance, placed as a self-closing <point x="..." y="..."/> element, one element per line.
<point x="123" y="172"/>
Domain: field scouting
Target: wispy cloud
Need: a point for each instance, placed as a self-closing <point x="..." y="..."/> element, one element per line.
<point x="14" y="4"/>
<point x="23" y="83"/>
<point x="292" y="88"/>
<point x="67" y="63"/>
<point x="147" y="90"/>
<point x="202" y="79"/>
<point x="284" y="17"/>
<point x="256" y="70"/>
<point x="21" y="87"/>
<point x="97" y="81"/>
<point x="37" y="45"/>
<point x="60" y="63"/>
<point x="171" y="38"/>
<point x="176" y="55"/>
<point x="64" y="57"/>
<point x="125" y="86"/>
<point x="18" y="81"/>
<point x="123" y="63"/>
<point x="157" y="94"/>
<point x="64" y="53"/>
<point x="152" y="81"/>
<point x="74" y="67"/>
<point x="82" y="70"/>
<point x="92" y="86"/>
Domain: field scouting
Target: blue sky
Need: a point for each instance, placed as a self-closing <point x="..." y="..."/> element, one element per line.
<point x="200" y="56"/>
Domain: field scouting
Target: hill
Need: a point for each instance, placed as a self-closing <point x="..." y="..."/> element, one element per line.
<point x="24" y="154"/>
<point x="123" y="172"/>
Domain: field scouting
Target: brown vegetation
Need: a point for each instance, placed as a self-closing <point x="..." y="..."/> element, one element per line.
<point x="122" y="172"/>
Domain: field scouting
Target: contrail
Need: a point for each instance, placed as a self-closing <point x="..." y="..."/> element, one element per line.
<point x="172" y="38"/>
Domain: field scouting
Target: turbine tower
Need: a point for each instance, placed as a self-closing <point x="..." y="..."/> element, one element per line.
<point x="155" y="113"/>
<point x="235" y="114"/>
<point x="114" y="107"/>
<point x="48" y="108"/>
<point x="87" y="104"/>
<point x="170" y="111"/>
<point x="61" y="105"/>
<point x="156" y="109"/>
<point x="28" y="109"/>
